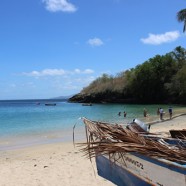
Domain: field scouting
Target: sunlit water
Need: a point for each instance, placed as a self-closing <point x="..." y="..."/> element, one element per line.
<point x="23" y="123"/>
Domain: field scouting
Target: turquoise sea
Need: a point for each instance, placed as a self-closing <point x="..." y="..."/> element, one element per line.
<point x="28" y="122"/>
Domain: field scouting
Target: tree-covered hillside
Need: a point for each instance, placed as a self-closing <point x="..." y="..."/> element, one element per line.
<point x="161" y="79"/>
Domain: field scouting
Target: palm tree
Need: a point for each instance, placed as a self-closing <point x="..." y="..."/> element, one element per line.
<point x="181" y="16"/>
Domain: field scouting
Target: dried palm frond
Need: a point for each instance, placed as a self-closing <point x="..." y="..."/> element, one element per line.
<point x="105" y="138"/>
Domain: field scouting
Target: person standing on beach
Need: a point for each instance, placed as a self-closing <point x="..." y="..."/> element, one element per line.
<point x="161" y="113"/>
<point x="144" y="112"/>
<point x="170" y="112"/>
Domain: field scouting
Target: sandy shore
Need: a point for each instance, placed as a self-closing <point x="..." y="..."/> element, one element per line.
<point x="52" y="164"/>
<point x="59" y="163"/>
<point x="163" y="127"/>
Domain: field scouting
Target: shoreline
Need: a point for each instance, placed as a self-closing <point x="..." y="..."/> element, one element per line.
<point x="8" y="143"/>
<point x="164" y="120"/>
<point x="178" y="122"/>
<point x="24" y="141"/>
<point x="59" y="163"/>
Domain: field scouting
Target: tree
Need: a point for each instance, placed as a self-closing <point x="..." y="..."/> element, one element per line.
<point x="181" y="16"/>
<point x="177" y="87"/>
<point x="160" y="79"/>
<point x="179" y="54"/>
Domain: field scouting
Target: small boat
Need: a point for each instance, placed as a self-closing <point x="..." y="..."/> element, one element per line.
<point x="180" y="134"/>
<point x="50" y="104"/>
<point x="87" y="104"/>
<point x="127" y="158"/>
<point x="135" y="169"/>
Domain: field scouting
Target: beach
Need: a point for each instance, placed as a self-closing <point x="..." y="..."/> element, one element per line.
<point x="178" y="122"/>
<point x="60" y="163"/>
<point x="49" y="164"/>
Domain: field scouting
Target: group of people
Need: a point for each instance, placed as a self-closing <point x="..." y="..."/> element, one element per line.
<point x="124" y="114"/>
<point x="160" y="112"/>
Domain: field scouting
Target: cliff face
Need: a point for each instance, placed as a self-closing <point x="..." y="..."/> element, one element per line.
<point x="115" y="98"/>
<point x="79" y="98"/>
<point x="83" y="98"/>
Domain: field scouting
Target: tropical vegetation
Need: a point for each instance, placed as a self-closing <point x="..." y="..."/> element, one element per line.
<point x="161" y="79"/>
<point x="181" y="16"/>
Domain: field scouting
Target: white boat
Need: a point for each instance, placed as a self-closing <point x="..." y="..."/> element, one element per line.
<point x="136" y="169"/>
<point x="146" y="160"/>
<point x="87" y="104"/>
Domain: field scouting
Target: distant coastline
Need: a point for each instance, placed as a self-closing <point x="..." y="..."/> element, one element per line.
<point x="35" y="100"/>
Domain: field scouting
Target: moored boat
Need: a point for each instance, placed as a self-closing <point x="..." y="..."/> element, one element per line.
<point x="130" y="158"/>
<point x="136" y="169"/>
<point x="50" y="104"/>
<point x="87" y="104"/>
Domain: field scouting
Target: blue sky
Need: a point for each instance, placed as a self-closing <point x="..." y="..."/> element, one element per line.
<point x="51" y="48"/>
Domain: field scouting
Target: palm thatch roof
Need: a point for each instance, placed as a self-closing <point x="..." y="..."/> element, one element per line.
<point x="109" y="139"/>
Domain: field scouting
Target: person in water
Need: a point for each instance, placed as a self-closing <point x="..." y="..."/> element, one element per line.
<point x="124" y="114"/>
<point x="119" y="113"/>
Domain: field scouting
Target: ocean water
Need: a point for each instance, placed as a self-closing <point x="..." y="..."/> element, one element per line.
<point x="28" y="122"/>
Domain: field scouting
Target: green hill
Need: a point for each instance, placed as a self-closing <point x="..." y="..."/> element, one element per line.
<point x="161" y="79"/>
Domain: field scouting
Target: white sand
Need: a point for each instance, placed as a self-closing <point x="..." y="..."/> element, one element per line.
<point x="59" y="164"/>
<point x="178" y="123"/>
<point x="54" y="165"/>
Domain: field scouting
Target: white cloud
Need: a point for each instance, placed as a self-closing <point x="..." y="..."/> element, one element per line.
<point x="60" y="80"/>
<point x="77" y="71"/>
<point x="157" y="39"/>
<point x="45" y="72"/>
<point x="56" y="72"/>
<point x="59" y="5"/>
<point x="95" y="42"/>
<point x="88" y="71"/>
<point x="70" y="83"/>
